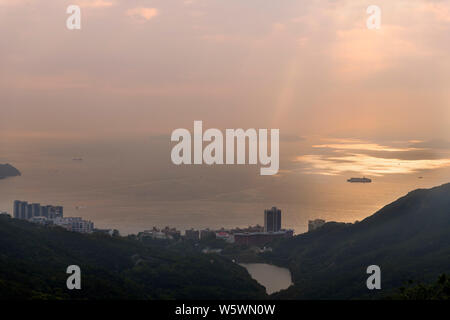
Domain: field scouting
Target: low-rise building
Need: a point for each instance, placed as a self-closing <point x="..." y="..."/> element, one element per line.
<point x="192" y="234"/>
<point x="153" y="234"/>
<point x="41" y="220"/>
<point x="110" y="232"/>
<point x="207" y="234"/>
<point x="75" y="224"/>
<point x="164" y="234"/>
<point x="172" y="233"/>
<point x="260" y="239"/>
<point x="223" y="235"/>
<point x="209" y="251"/>
<point x="5" y="214"/>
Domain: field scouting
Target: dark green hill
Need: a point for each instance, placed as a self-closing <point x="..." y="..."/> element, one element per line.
<point x="7" y="170"/>
<point x="33" y="262"/>
<point x="409" y="239"/>
<point x="438" y="290"/>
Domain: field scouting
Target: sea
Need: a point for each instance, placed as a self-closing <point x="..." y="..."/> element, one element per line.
<point x="131" y="185"/>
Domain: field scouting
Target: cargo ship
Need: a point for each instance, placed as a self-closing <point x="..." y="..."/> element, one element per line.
<point x="360" y="180"/>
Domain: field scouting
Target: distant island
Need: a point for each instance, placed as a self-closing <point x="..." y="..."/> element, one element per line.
<point x="7" y="170"/>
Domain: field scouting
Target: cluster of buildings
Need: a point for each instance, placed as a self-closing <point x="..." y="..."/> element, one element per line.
<point x="25" y="211"/>
<point x="272" y="230"/>
<point x="163" y="234"/>
<point x="50" y="215"/>
<point x="206" y="234"/>
<point x="252" y="236"/>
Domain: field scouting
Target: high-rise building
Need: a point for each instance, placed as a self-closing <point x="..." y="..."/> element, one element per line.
<point x="20" y="209"/>
<point x="24" y="210"/>
<point x="59" y="211"/>
<point x="45" y="210"/>
<point x="16" y="211"/>
<point x="35" y="210"/>
<point x="192" y="234"/>
<point x="51" y="212"/>
<point x="207" y="234"/>
<point x="28" y="211"/>
<point x="272" y="220"/>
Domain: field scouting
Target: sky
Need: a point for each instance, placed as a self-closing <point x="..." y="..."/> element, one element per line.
<point x="344" y="97"/>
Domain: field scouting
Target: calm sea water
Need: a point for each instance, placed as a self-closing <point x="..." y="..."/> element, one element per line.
<point x="132" y="186"/>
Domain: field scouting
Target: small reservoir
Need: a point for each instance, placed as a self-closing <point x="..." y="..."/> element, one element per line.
<point x="272" y="277"/>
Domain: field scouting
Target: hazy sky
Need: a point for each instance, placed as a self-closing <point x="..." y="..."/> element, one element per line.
<point x="309" y="68"/>
<point x="306" y="67"/>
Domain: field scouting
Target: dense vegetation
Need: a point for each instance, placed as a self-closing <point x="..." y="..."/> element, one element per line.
<point x="7" y="170"/>
<point x="408" y="239"/>
<point x="33" y="262"/>
<point x="439" y="290"/>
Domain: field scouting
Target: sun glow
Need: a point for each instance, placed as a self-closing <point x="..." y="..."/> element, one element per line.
<point x="367" y="158"/>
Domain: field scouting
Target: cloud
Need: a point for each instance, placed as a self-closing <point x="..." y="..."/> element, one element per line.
<point x="81" y="3"/>
<point x="440" y="11"/>
<point x="434" y="144"/>
<point x="368" y="165"/>
<point x="95" y="3"/>
<point x="10" y="3"/>
<point x="142" y="14"/>
<point x="360" y="146"/>
<point x="371" y="159"/>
